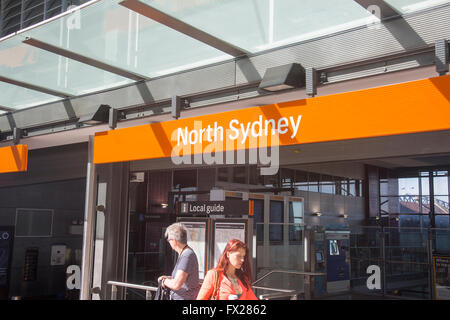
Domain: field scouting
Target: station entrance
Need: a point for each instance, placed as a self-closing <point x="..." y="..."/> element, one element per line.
<point x="311" y="229"/>
<point x="287" y="257"/>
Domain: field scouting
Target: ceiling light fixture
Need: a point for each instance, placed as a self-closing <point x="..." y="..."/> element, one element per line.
<point x="284" y="77"/>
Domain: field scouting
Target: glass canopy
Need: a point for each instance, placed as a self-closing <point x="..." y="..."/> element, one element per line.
<point x="110" y="43"/>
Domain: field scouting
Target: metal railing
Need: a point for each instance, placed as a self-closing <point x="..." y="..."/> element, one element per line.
<point x="115" y="284"/>
<point x="279" y="293"/>
<point x="404" y="255"/>
<point x="283" y="293"/>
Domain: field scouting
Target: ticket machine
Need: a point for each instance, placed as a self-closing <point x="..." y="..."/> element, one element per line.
<point x="337" y="246"/>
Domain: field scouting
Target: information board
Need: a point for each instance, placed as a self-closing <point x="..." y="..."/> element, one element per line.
<point x="197" y="235"/>
<point x="441" y="268"/>
<point x="224" y="231"/>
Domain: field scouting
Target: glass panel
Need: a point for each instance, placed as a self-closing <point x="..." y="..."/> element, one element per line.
<point x="267" y="23"/>
<point x="301" y="180"/>
<point x="295" y="212"/>
<point x="409" y="221"/>
<point x="384" y="187"/>
<point x="279" y="256"/>
<point x="295" y="216"/>
<point x="276" y="216"/>
<point x="287" y="177"/>
<point x="425" y="184"/>
<point x="313" y="182"/>
<point x="407" y="6"/>
<point x="118" y="36"/>
<point x="408" y="186"/>
<point x="352" y="188"/>
<point x="422" y="221"/>
<point x="271" y="181"/>
<point x="405" y="204"/>
<point x="440" y="185"/>
<point x="35" y="66"/>
<point x="344" y="187"/>
<point x="442" y="222"/>
<point x="442" y="236"/>
<point x="441" y="204"/>
<point x="327" y="184"/>
<point x="19" y="98"/>
<point x="258" y="219"/>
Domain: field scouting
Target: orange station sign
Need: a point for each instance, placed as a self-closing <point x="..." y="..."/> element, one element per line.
<point x="13" y="158"/>
<point x="411" y="107"/>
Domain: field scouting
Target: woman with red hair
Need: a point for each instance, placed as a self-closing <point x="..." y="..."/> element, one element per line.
<point x="231" y="279"/>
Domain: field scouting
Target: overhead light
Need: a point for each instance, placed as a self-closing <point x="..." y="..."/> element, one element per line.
<point x="101" y="115"/>
<point x="317" y="214"/>
<point x="345" y="216"/>
<point x="164" y="205"/>
<point x="284" y="77"/>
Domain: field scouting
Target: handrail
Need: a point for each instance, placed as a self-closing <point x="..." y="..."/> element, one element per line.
<point x="274" y="289"/>
<point x="269" y="296"/>
<point x="115" y="284"/>
<point x="282" y="293"/>
<point x="305" y="273"/>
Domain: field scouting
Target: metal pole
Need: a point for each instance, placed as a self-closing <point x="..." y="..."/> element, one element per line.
<point x="22" y="13"/>
<point x="430" y="264"/>
<point x="148" y="295"/>
<point x="113" y="292"/>
<point x="89" y="224"/>
<point x="383" y="261"/>
<point x="45" y="11"/>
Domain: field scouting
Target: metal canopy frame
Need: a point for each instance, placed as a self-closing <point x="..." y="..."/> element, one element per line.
<point x="35" y="87"/>
<point x="245" y="70"/>
<point x="83" y="59"/>
<point x="182" y="27"/>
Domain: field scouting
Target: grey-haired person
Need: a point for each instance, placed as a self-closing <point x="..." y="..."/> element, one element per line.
<point x="184" y="281"/>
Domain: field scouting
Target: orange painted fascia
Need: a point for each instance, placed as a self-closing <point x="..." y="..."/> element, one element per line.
<point x="417" y="106"/>
<point x="14" y="159"/>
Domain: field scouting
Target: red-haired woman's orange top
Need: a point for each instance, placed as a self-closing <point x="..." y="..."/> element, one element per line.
<point x="225" y="288"/>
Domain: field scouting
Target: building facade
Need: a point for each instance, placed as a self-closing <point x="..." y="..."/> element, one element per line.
<point x="328" y="123"/>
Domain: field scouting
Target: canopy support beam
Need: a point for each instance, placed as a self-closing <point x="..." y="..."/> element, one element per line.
<point x="83" y="59"/>
<point x="35" y="87"/>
